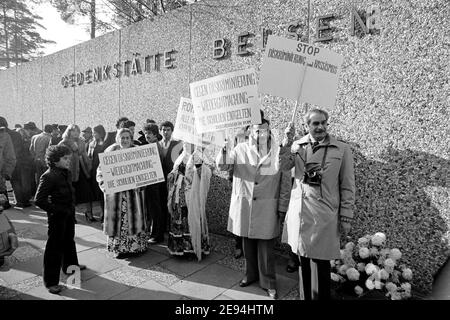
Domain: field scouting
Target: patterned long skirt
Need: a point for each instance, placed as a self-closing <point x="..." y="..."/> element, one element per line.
<point x="179" y="242"/>
<point x="126" y="243"/>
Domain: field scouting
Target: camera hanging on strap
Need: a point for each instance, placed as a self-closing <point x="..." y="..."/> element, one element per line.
<point x="313" y="175"/>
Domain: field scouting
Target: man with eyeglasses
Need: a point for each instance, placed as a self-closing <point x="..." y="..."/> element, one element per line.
<point x="322" y="199"/>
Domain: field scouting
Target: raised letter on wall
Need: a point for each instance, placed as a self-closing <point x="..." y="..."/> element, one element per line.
<point x="356" y="18"/>
<point x="323" y="24"/>
<point x="243" y="43"/>
<point x="219" y="50"/>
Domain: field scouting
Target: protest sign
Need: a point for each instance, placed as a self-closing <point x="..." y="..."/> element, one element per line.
<point x="185" y="123"/>
<point x="186" y="130"/>
<point x="300" y="71"/>
<point x="226" y="101"/>
<point x="131" y="168"/>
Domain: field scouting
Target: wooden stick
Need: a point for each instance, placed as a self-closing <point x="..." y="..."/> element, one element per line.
<point x="300" y="94"/>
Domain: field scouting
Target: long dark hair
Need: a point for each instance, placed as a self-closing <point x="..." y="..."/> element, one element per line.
<point x="101" y="131"/>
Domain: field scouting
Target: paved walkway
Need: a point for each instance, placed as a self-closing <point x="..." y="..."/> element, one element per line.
<point x="152" y="275"/>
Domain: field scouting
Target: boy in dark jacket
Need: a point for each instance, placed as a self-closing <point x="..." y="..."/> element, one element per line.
<point x="55" y="195"/>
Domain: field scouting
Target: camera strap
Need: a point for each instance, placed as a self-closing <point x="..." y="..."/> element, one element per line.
<point x="323" y="159"/>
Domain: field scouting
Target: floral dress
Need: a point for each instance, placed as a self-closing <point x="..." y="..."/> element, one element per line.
<point x="125" y="243"/>
<point x="180" y="242"/>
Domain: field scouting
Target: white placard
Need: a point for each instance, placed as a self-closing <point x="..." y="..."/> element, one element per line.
<point x="185" y="123"/>
<point x="291" y="66"/>
<point x="226" y="101"/>
<point x="131" y="168"/>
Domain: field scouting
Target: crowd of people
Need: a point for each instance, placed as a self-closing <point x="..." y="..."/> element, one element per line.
<point x="307" y="182"/>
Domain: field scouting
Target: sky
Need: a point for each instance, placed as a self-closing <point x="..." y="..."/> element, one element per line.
<point x="64" y="34"/>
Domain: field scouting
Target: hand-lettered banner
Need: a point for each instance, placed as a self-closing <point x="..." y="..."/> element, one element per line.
<point x="226" y="101"/>
<point x="131" y="168"/>
<point x="291" y="66"/>
<point x="185" y="123"/>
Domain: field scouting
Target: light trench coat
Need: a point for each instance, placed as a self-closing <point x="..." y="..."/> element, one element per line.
<point x="311" y="225"/>
<point x="255" y="199"/>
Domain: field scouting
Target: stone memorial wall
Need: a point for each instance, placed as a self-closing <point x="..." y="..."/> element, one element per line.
<point x="392" y="104"/>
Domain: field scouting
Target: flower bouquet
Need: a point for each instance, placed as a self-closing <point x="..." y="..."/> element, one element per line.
<point x="369" y="266"/>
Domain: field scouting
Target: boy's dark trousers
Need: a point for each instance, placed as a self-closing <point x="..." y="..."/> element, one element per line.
<point x="60" y="250"/>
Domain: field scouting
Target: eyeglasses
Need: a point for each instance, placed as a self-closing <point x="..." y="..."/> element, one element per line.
<point x="316" y="123"/>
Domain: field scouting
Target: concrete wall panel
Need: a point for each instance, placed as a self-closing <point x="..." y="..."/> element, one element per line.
<point x="29" y="83"/>
<point x="10" y="106"/>
<point x="97" y="102"/>
<point x="58" y="101"/>
<point x="392" y="103"/>
<point x="156" y="94"/>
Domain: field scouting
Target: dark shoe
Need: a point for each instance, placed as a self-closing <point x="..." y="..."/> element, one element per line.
<point x="22" y="205"/>
<point x="55" y="289"/>
<point x="244" y="282"/>
<point x="6" y="206"/>
<point x="122" y="255"/>
<point x="272" y="293"/>
<point x="237" y="253"/>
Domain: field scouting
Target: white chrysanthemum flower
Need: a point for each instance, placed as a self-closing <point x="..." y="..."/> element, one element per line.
<point x="395" y="254"/>
<point x="378" y="285"/>
<point x="349" y="246"/>
<point x="391" y="287"/>
<point x="381" y="260"/>
<point x="335" y="277"/>
<point x="373" y="251"/>
<point x="343" y="253"/>
<point x="376" y="274"/>
<point x="363" y="242"/>
<point x="406" y="286"/>
<point x="378" y="239"/>
<point x="371" y="268"/>
<point x="364" y="253"/>
<point x="361" y="267"/>
<point x="396" y="296"/>
<point x="407" y="274"/>
<point x="406" y="294"/>
<point x="395" y="276"/>
<point x="342" y="269"/>
<point x="370" y="284"/>
<point x="389" y="263"/>
<point x="358" y="290"/>
<point x="332" y="263"/>
<point x="352" y="274"/>
<point x="384" y="275"/>
<point x="348" y="260"/>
